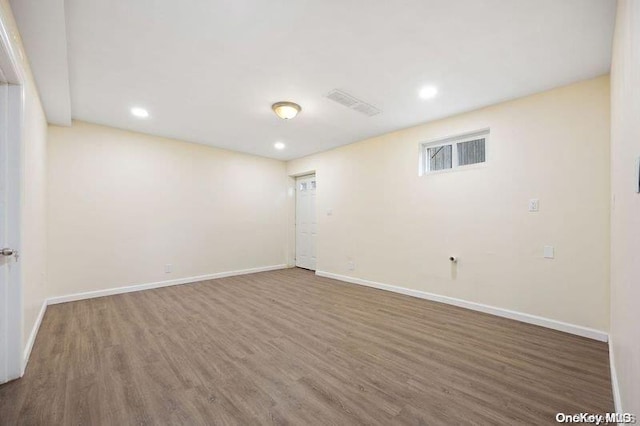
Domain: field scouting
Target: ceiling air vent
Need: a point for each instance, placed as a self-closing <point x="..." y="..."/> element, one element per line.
<point x="352" y="102"/>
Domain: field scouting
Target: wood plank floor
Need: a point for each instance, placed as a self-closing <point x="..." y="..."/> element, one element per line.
<point x="287" y="347"/>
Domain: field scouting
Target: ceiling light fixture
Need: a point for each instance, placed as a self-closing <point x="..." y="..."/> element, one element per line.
<point x="286" y="110"/>
<point x="428" y="92"/>
<point x="279" y="145"/>
<point x="139" y="112"/>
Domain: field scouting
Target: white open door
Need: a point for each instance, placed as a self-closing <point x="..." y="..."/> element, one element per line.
<point x="10" y="174"/>
<point x="306" y="222"/>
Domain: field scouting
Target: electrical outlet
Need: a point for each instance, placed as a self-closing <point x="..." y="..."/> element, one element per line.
<point x="168" y="268"/>
<point x="534" y="205"/>
<point x="351" y="266"/>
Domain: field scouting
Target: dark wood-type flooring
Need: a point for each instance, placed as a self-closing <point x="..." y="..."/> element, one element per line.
<point x="287" y="347"/>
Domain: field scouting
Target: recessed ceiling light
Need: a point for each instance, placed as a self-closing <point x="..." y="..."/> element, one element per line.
<point x="278" y="145"/>
<point x="428" y="92"/>
<point x="139" y="112"/>
<point x="286" y="110"/>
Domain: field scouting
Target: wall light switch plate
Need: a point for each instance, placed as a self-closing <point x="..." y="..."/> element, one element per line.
<point x="548" y="252"/>
<point x="534" y="205"/>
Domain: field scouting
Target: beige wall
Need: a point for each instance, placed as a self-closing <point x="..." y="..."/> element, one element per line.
<point x="625" y="212"/>
<point x="122" y="205"/>
<point x="34" y="234"/>
<point x="33" y="197"/>
<point x="400" y="228"/>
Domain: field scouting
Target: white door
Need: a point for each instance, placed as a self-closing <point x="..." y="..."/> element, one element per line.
<point x="10" y="307"/>
<point x="306" y="222"/>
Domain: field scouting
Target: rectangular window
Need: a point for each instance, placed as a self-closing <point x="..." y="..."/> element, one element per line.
<point x="471" y="152"/>
<point x="454" y="152"/>
<point x="439" y="157"/>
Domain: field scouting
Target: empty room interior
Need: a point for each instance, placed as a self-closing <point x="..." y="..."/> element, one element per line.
<point x="246" y="212"/>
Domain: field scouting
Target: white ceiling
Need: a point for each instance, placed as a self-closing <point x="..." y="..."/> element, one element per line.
<point x="209" y="70"/>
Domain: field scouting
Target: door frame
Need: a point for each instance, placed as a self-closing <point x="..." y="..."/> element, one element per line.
<point x="293" y="194"/>
<point x="11" y="178"/>
<point x="297" y="180"/>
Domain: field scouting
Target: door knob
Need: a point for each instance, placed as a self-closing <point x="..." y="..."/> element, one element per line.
<point x="7" y="252"/>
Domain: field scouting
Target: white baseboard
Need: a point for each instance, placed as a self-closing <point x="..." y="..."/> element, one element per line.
<point x="139" y="287"/>
<point x="617" y="403"/>
<point x="32" y="337"/>
<point x="506" y="313"/>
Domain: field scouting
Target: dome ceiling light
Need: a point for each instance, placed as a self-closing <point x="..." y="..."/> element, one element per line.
<point x="286" y="110"/>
